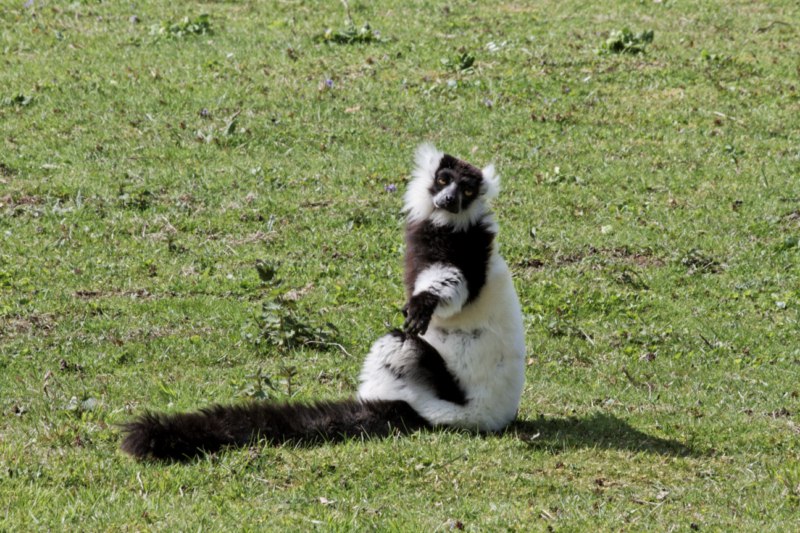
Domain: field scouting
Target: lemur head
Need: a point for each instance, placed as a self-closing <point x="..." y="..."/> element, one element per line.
<point x="448" y="191"/>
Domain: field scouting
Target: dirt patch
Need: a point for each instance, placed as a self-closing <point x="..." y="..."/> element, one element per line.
<point x="142" y="294"/>
<point x="643" y="258"/>
<point x="23" y="200"/>
<point x="258" y="236"/>
<point x="26" y="325"/>
<point x="640" y="258"/>
<point x="780" y="413"/>
<point x="153" y="333"/>
<point x="697" y="261"/>
<point x="533" y="264"/>
<point x="792" y="218"/>
<point x="6" y="170"/>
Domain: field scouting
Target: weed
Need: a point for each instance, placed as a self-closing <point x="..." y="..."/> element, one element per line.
<point x="624" y="41"/>
<point x="19" y="100"/>
<point x="697" y="261"/>
<point x="713" y="59"/>
<point x="282" y="327"/>
<point x="199" y="25"/>
<point x="788" y="475"/>
<point x="464" y="62"/>
<point x="137" y="197"/>
<point x="790" y="242"/>
<point x="259" y="387"/>
<point x="351" y="35"/>
<point x="266" y="271"/>
<point x="81" y="408"/>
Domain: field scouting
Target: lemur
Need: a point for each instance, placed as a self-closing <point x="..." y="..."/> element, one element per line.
<point x="458" y="362"/>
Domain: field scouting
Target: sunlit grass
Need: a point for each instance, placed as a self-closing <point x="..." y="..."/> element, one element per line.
<point x="650" y="213"/>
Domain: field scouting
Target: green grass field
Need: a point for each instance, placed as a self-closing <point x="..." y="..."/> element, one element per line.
<point x="650" y="213"/>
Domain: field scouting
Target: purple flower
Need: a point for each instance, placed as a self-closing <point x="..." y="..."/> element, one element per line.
<point x="390" y="188"/>
<point x="329" y="83"/>
<point x="205" y="113"/>
<point x="28" y="4"/>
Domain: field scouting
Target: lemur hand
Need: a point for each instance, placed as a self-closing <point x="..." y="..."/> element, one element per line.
<point x="418" y="312"/>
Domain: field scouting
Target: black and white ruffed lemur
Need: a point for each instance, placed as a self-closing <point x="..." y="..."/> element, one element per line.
<point x="458" y="362"/>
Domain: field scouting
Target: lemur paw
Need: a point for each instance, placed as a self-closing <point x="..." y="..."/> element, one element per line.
<point x="418" y="312"/>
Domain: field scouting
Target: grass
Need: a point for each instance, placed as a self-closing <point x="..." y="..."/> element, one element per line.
<point x="149" y="157"/>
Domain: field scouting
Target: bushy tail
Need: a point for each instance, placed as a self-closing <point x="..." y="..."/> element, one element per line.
<point x="184" y="435"/>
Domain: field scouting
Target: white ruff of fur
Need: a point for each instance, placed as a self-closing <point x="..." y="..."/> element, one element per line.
<point x="419" y="204"/>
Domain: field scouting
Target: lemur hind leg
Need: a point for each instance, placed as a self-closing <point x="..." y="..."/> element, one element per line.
<point x="422" y="364"/>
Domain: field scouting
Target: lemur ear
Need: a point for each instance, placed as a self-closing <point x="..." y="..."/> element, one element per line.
<point x="427" y="160"/>
<point x="491" y="182"/>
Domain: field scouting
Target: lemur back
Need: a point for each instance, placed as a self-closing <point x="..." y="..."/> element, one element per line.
<point x="459" y="360"/>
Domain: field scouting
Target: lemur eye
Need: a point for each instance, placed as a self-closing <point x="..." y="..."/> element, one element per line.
<point x="469" y="193"/>
<point x="443" y="179"/>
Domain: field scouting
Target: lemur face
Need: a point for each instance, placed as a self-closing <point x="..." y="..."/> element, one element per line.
<point x="447" y="191"/>
<point x="456" y="185"/>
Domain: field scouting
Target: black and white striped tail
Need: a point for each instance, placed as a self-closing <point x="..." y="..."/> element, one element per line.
<point x="181" y="436"/>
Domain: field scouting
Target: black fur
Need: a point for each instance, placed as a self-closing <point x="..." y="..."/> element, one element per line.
<point x="431" y="369"/>
<point x="469" y="251"/>
<point x="182" y="436"/>
<point x="459" y="167"/>
<point x="467" y="177"/>
<point x="418" y="312"/>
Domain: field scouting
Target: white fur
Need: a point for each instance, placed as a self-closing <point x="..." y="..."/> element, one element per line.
<point x="419" y="204"/>
<point x="491" y="183"/>
<point x="483" y="346"/>
<point x="448" y="283"/>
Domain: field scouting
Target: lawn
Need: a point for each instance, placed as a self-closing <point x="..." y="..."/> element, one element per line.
<point x="200" y="202"/>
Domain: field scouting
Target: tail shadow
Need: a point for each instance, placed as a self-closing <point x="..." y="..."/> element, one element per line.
<point x="599" y="430"/>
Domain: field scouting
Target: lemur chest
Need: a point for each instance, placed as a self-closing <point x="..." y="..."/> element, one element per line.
<point x="458" y="338"/>
<point x="468" y="251"/>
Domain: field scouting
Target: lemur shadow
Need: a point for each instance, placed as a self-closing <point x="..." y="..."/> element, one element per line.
<point x="552" y="435"/>
<point x="599" y="430"/>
